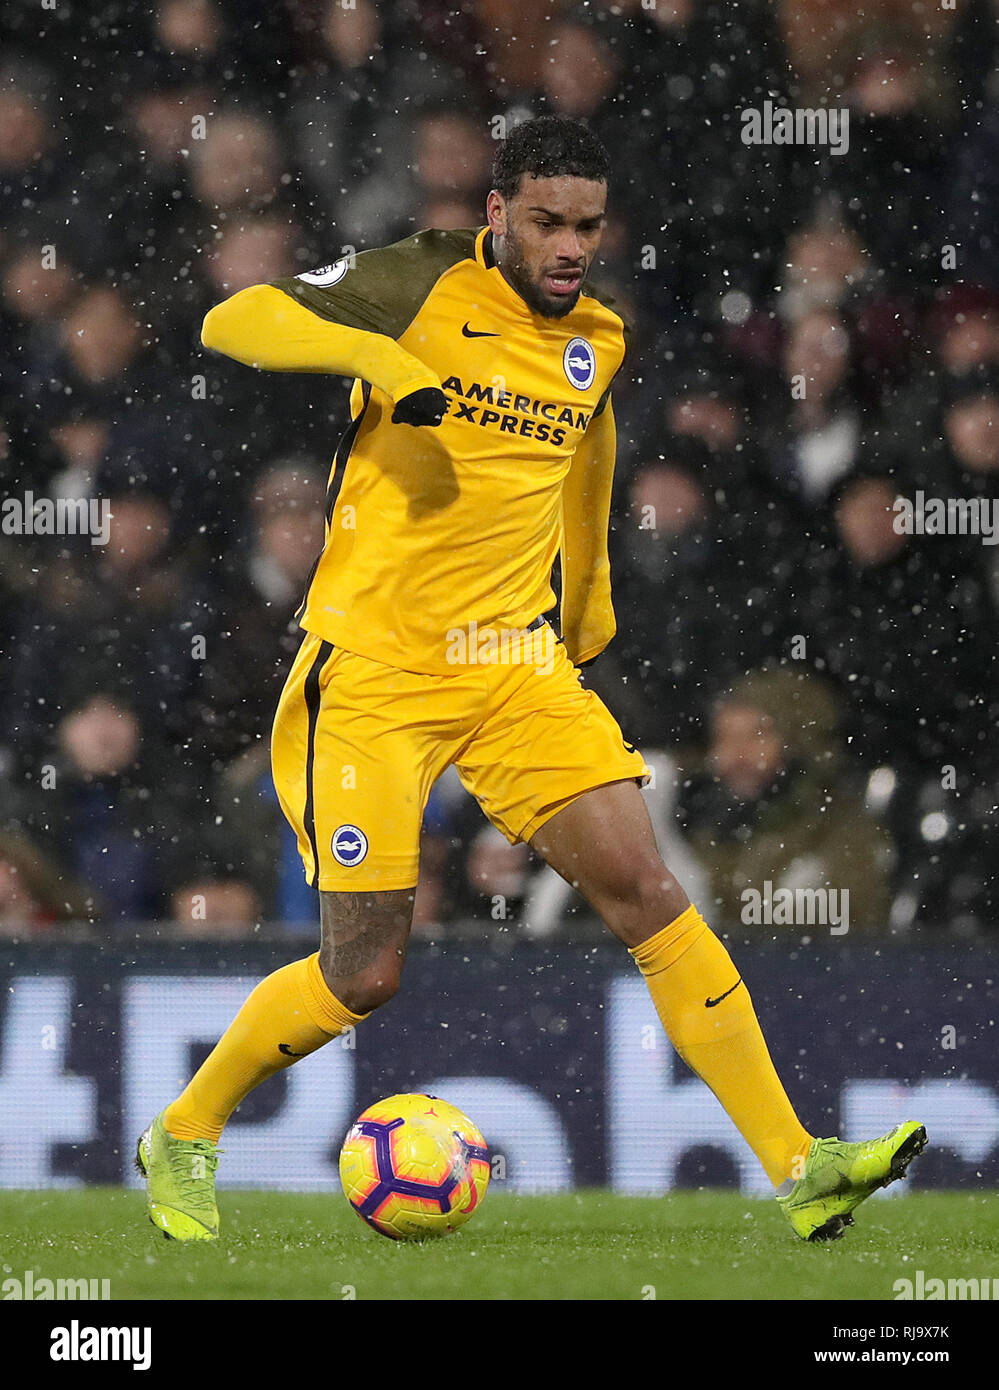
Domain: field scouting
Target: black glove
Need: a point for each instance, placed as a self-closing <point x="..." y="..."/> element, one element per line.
<point x="423" y="407"/>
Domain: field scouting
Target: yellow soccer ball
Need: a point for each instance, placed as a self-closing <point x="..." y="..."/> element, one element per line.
<point x="413" y="1167"/>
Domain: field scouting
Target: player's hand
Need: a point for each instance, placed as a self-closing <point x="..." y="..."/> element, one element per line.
<point x="424" y="407"/>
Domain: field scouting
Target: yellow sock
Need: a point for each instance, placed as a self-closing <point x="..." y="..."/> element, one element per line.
<point x="292" y="1009"/>
<point x="686" y="965"/>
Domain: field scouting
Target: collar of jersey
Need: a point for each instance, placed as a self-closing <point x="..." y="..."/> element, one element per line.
<point x="484" y="249"/>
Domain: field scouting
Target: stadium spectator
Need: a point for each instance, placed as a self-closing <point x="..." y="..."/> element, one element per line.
<point x="451" y="157"/>
<point x="814" y="433"/>
<point x="36" y="297"/>
<point x="36" y="898"/>
<point x="344" y="116"/>
<point x="971" y="422"/>
<point x="688" y="72"/>
<point x="695" y="391"/>
<point x="190" y="28"/>
<point x="890" y="184"/>
<point x="95" y="814"/>
<point x="970" y="465"/>
<point x="705" y="589"/>
<point x="904" y="628"/>
<point x="20" y="912"/>
<point x="960" y="333"/>
<point x="964" y="328"/>
<point x="497" y="871"/>
<point x="121" y="617"/>
<point x="826" y="261"/>
<point x="214" y="909"/>
<point x="238" y="165"/>
<point x="256" y="636"/>
<point x="771" y="807"/>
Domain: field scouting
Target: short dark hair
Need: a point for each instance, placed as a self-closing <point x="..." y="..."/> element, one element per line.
<point x="548" y="147"/>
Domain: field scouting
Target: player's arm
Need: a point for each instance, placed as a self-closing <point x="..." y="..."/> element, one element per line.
<point x="263" y="327"/>
<point x="344" y="321"/>
<point x="587" y="615"/>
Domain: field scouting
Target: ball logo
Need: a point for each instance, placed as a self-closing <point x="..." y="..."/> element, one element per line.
<point x="326" y="274"/>
<point x="349" y="845"/>
<point x="580" y="363"/>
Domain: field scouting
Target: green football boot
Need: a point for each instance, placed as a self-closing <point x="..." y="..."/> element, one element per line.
<point x="838" y="1177"/>
<point x="180" y="1183"/>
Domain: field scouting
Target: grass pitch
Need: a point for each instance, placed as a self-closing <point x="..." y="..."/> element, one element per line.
<point x="587" y="1245"/>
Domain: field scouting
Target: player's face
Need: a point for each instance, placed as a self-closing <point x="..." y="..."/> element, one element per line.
<point x="546" y="237"/>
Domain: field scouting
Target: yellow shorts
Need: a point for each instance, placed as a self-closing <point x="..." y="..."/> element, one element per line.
<point x="357" y="746"/>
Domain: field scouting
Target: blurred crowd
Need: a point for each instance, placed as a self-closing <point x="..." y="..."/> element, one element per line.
<point x="815" y="335"/>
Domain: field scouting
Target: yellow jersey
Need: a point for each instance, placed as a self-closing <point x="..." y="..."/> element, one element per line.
<point x="436" y="531"/>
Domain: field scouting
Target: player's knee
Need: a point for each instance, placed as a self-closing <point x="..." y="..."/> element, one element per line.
<point x="365" y="991"/>
<point x="658" y="893"/>
<point x="364" y="996"/>
<point x="649" y="901"/>
<point x="657" y="884"/>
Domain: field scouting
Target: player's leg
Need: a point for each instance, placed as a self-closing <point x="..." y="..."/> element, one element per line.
<point x="603" y="843"/>
<point x="295" y="1011"/>
<point x="329" y="787"/>
<point x="549" y="766"/>
<point x="289" y="1015"/>
<point x="300" y="1008"/>
<point x="363" y="949"/>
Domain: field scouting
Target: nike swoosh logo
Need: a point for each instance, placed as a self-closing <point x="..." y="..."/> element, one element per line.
<point x="467" y="332"/>
<point x="283" y="1047"/>
<point x="710" y="1003"/>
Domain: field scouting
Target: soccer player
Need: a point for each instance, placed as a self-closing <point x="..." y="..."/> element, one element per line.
<point x="480" y="449"/>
